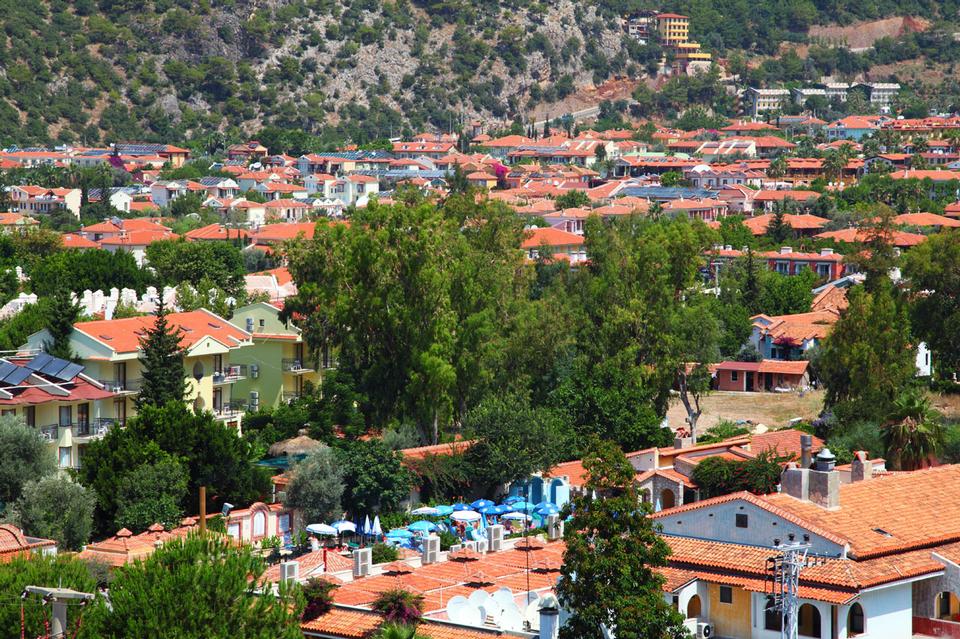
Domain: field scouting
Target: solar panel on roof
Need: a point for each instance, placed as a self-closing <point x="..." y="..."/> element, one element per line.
<point x="17" y="376"/>
<point x="39" y="361"/>
<point x="71" y="371"/>
<point x="54" y="367"/>
<point x="6" y="368"/>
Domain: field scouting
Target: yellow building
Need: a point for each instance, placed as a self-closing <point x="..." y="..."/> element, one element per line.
<point x="279" y="366"/>
<point x="673" y="28"/>
<point x="109" y="350"/>
<point x="66" y="406"/>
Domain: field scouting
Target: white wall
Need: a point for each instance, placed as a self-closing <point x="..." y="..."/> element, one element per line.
<point x="888" y="613"/>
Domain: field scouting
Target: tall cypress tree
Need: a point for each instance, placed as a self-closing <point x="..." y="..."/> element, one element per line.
<point x="162" y="362"/>
<point x="63" y="313"/>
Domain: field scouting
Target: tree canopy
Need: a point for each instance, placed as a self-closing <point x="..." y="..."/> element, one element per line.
<point x="23" y="457"/>
<point x="162" y="361"/>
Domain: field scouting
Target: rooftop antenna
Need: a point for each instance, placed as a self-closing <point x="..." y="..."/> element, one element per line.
<point x="784" y="584"/>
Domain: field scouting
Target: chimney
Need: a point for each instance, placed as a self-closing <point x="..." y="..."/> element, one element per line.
<point x="824" y="489"/>
<point x="826" y="251"/>
<point x="795" y="482"/>
<point x="362" y="558"/>
<point x="862" y="468"/>
<point x="786" y="249"/>
<point x="806" y="451"/>
<point x="549" y="618"/>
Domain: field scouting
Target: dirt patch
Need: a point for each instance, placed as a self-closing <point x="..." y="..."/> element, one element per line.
<point x="769" y="409"/>
<point x="585" y="97"/>
<point x="861" y="35"/>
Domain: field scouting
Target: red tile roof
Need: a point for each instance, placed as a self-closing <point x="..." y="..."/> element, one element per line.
<point x="550" y="237"/>
<point x="123" y="335"/>
<point x="216" y="232"/>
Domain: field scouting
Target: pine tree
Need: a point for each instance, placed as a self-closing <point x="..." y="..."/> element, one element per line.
<point x="63" y="313"/>
<point x="778" y="230"/>
<point x="162" y="362"/>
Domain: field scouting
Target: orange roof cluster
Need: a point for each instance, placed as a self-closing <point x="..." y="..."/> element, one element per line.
<point x="798" y="222"/>
<point x="550" y="236"/>
<point x="797" y="327"/>
<point x="215" y="232"/>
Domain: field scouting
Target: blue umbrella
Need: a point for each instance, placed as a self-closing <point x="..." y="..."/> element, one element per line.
<point x="547" y="510"/>
<point x="443" y="511"/>
<point x="512" y="498"/>
<point x="422" y="526"/>
<point x="502" y="509"/>
<point x="399" y="533"/>
<point x="521" y="505"/>
<point x="461" y="506"/>
<point x="517" y="517"/>
<point x="480" y="504"/>
<point x="545" y="504"/>
<point x="488" y="510"/>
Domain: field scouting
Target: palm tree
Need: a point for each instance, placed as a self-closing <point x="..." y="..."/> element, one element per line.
<point x="778" y="168"/>
<point x="397" y="631"/>
<point x="833" y="165"/>
<point x="914" y="433"/>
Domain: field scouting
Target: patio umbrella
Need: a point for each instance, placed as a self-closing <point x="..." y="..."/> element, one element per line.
<point x="489" y="510"/>
<point x="524" y="506"/>
<point x="425" y="511"/>
<point x="366" y="525"/>
<point x="545" y="504"/>
<point x="294" y="446"/>
<point x="422" y="526"/>
<point x="501" y="509"/>
<point x="512" y="498"/>
<point x="517" y="517"/>
<point x="550" y="509"/>
<point x="443" y="511"/>
<point x="343" y="526"/>
<point x="480" y="504"/>
<point x="399" y="533"/>
<point x="321" y="529"/>
<point x="460" y="506"/>
<point x="376" y="530"/>
<point x="465" y="515"/>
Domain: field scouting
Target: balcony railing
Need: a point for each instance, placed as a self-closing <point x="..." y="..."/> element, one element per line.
<point x="50" y="432"/>
<point x="291" y="396"/>
<point x="95" y="428"/>
<point x="230" y="374"/>
<point x="295" y="365"/>
<point x="230" y="409"/>
<point x="121" y="386"/>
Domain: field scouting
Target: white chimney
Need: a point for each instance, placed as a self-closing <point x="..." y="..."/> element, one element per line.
<point x="362" y="558"/>
<point x="549" y="618"/>
<point x="289" y="571"/>
<point x="431" y="550"/>
<point x="826" y="251"/>
<point x="786" y="249"/>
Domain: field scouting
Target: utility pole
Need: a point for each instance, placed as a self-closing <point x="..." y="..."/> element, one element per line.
<point x="203" y="510"/>
<point x="59" y="598"/>
<point x="785" y="581"/>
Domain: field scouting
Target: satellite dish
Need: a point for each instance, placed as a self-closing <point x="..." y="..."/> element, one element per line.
<point x="479" y="598"/>
<point x="491" y="612"/>
<point x="532" y="597"/>
<point x="503" y="596"/>
<point x="456" y="608"/>
<point x="511" y="619"/>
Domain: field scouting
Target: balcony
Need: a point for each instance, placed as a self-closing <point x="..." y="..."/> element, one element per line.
<point x="230" y="410"/>
<point x="95" y="428"/>
<point x="229" y="375"/>
<point x="291" y="396"/>
<point x="50" y="432"/>
<point x="294" y="366"/>
<point x="131" y="386"/>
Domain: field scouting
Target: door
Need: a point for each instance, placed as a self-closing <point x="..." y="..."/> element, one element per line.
<point x="749" y="380"/>
<point x="769" y="384"/>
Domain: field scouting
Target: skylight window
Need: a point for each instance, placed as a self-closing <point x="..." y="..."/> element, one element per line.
<point x="881" y="531"/>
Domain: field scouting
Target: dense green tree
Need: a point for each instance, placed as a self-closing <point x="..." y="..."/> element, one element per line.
<point x="913" y="434"/>
<point x="188" y="588"/>
<point x="786" y="294"/>
<point x="778" y="229"/>
<point x="164" y="378"/>
<point x="37" y="569"/>
<point x="63" y="313"/>
<point x="58" y="508"/>
<point x="934" y="268"/>
<point x="735" y="233"/>
<point x="718" y="476"/>
<point x="89" y="269"/>
<point x="152" y="493"/>
<point x="375" y="479"/>
<point x="210" y="451"/>
<point x="697" y="334"/>
<point x="23" y="457"/>
<point x="316" y="486"/>
<point x="609" y="576"/>
<point x="178" y="261"/>
<point x="572" y="199"/>
<point x="868" y="359"/>
<point x="513" y="440"/>
<point x="15" y="330"/>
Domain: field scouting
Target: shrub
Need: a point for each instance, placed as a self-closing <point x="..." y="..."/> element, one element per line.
<point x="383" y="553"/>
<point x="399" y="606"/>
<point x="318" y="594"/>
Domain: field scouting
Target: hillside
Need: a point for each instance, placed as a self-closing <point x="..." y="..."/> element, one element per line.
<point x="91" y="71"/>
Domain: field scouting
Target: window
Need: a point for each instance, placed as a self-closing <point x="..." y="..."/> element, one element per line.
<point x="233" y="530"/>
<point x="83" y="414"/>
<point x="855" y="620"/>
<point x="30" y="415"/>
<point x="65" y="456"/>
<point x="772" y="619"/>
<point x="66" y="415"/>
<point x="259" y="524"/>
<point x="9" y="412"/>
<point x="734" y="376"/>
<point x="726" y="594"/>
<point x="741" y="520"/>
